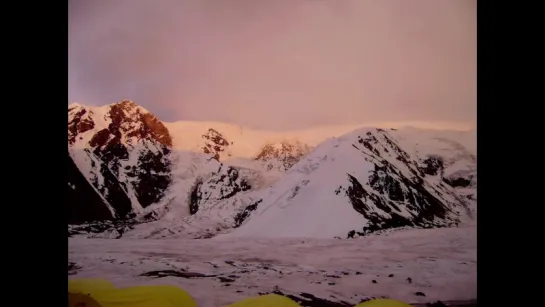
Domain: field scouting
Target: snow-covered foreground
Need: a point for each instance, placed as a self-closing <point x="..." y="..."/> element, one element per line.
<point x="439" y="263"/>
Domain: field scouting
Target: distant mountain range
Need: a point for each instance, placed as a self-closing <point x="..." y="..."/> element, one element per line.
<point x="132" y="175"/>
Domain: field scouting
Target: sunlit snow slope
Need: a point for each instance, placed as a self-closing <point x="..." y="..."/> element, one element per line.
<point x="360" y="183"/>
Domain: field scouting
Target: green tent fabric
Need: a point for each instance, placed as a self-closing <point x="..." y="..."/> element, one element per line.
<point x="269" y="300"/>
<point x="106" y="295"/>
<point x="383" y="302"/>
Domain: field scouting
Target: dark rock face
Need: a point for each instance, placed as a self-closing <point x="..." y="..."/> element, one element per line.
<point x="222" y="184"/>
<point x="179" y="273"/>
<point x="106" y="183"/>
<point x="79" y="124"/>
<point x="154" y="180"/>
<point x="73" y="268"/>
<point x="283" y="155"/>
<point x="195" y="197"/>
<point x="127" y="161"/>
<point x="392" y="190"/>
<point x="244" y="214"/>
<point x="433" y="166"/>
<point x="83" y="203"/>
<point x="310" y="300"/>
<point x="113" y="229"/>
<point x="215" y="143"/>
<point x="458" y="182"/>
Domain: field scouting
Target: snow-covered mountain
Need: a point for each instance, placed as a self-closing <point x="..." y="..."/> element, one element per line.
<point x="123" y="152"/>
<point x="203" y="179"/>
<point x="361" y="183"/>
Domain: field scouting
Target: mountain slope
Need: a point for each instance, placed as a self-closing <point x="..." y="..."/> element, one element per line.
<point x="357" y="184"/>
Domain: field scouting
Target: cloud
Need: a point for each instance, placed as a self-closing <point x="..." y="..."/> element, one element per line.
<point x="278" y="64"/>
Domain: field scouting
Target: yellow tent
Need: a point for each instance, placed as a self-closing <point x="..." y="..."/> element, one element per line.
<point x="383" y="302"/>
<point x="103" y="294"/>
<point x="81" y="300"/>
<point x="268" y="300"/>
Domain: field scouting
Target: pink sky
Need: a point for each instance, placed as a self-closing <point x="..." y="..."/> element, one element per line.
<point x="278" y="64"/>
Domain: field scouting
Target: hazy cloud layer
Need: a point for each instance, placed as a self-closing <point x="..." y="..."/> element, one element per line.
<point x="278" y="64"/>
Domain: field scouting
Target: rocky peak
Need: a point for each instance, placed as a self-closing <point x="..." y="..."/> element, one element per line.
<point x="80" y="120"/>
<point x="127" y="104"/>
<point x="215" y="143"/>
<point x="124" y="121"/>
<point x="130" y="123"/>
<point x="282" y="155"/>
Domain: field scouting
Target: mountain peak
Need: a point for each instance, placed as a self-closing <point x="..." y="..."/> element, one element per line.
<point x="124" y="119"/>
<point x="215" y="143"/>
<point x="127" y="102"/>
<point x="74" y="105"/>
<point x="127" y="105"/>
<point x="112" y="144"/>
<point x="282" y="155"/>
